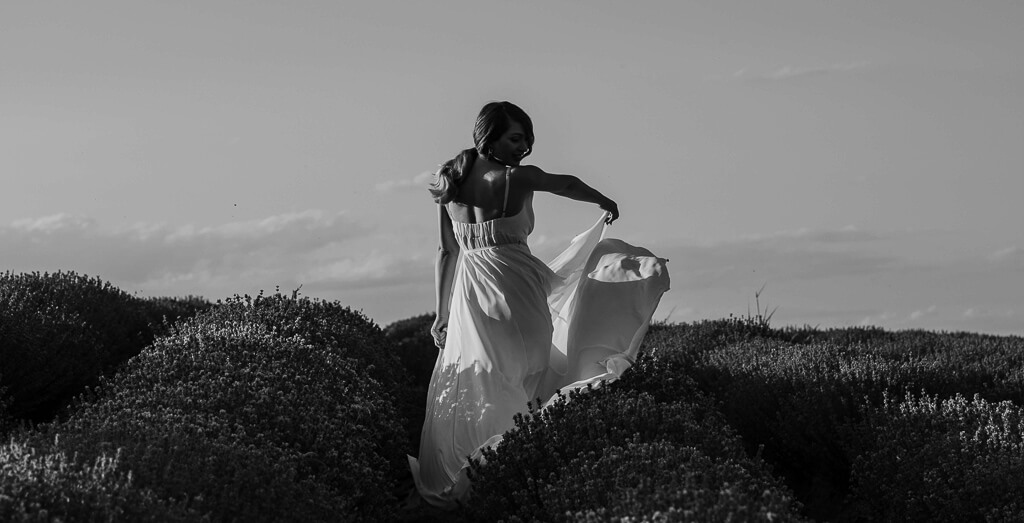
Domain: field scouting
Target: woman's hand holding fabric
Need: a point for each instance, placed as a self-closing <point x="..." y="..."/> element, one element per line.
<point x="439" y="331"/>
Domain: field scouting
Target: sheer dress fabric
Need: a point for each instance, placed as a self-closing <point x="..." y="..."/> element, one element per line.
<point x="520" y="329"/>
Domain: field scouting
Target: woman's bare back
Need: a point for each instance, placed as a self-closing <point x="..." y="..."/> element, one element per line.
<point x="482" y="194"/>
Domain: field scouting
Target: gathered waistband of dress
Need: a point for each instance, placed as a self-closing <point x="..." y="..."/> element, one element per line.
<point x="495" y="246"/>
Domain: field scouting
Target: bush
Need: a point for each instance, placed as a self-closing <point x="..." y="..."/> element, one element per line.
<point x="411" y="342"/>
<point x="5" y="418"/>
<point x="535" y="472"/>
<point x="346" y="332"/>
<point x="170" y="310"/>
<point x="342" y="332"/>
<point x="46" y="485"/>
<point x="663" y="482"/>
<point x="242" y="421"/>
<point x="926" y="459"/>
<point x="58" y="333"/>
<point x="794" y="391"/>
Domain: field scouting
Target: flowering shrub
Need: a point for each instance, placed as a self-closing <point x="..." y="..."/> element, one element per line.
<point x="663" y="482"/>
<point x="170" y="310"/>
<point x="926" y="459"/>
<point x="411" y="342"/>
<point x="5" y="418"/>
<point x="344" y="331"/>
<point x="241" y="421"/>
<point x="577" y="455"/>
<point x="797" y="398"/>
<point x="58" y="333"/>
<point x="46" y="485"/>
<point x="277" y="408"/>
<point x="341" y="332"/>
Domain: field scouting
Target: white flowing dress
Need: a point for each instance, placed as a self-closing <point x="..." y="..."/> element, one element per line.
<point x="519" y="330"/>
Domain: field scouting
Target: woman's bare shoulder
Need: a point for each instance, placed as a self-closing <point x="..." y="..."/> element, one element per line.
<point x="536" y="179"/>
<point x="528" y="175"/>
<point x="527" y="170"/>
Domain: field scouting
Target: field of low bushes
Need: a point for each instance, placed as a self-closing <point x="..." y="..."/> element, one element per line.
<point x="285" y="408"/>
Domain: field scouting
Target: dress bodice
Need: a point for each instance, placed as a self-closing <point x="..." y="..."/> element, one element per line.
<point x="499" y="231"/>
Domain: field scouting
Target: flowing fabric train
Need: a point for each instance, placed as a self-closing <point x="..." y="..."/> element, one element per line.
<point x="503" y="352"/>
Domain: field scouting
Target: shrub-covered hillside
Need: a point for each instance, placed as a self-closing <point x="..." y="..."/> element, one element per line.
<point x="60" y="332"/>
<point x="256" y="409"/>
<point x="856" y="424"/>
<point x="279" y="408"/>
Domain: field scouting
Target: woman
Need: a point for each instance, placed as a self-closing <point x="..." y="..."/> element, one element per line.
<point x="498" y="306"/>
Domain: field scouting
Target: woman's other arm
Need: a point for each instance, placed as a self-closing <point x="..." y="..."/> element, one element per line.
<point x="447" y="256"/>
<point x="565" y="185"/>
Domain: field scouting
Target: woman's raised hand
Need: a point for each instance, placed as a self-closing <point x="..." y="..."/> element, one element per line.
<point x="612" y="209"/>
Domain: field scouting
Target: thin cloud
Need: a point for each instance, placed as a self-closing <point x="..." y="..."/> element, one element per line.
<point x="374" y="270"/>
<point x="190" y="259"/>
<point x="891" y="319"/>
<point x="419" y="181"/>
<point x="982" y="312"/>
<point x="847" y="234"/>
<point x="921" y="313"/>
<point x="882" y="318"/>
<point x="53" y="224"/>
<point x="847" y="276"/>
<point x="712" y="266"/>
<point x="803" y="254"/>
<point x="789" y="72"/>
<point x="1009" y="256"/>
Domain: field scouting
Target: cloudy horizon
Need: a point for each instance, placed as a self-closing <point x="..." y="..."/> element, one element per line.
<point x="825" y="278"/>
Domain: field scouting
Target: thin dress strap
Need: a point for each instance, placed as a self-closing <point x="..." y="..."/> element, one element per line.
<point x="504" y="204"/>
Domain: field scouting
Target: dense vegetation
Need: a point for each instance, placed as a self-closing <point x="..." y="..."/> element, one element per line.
<point x="280" y="407"/>
<point x="61" y="332"/>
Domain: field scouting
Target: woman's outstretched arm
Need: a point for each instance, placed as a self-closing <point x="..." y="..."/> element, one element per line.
<point x="566" y="185"/>
<point x="444" y="275"/>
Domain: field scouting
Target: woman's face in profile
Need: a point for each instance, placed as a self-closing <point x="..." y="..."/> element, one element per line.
<point x="511" y="146"/>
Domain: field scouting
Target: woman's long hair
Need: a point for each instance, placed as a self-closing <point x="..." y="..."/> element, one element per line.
<point x="493" y="121"/>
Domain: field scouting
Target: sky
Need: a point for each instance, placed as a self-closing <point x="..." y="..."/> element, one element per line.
<point x="862" y="162"/>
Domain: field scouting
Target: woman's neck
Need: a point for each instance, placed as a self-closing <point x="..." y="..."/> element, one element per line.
<point x="490" y="164"/>
<point x="498" y="162"/>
